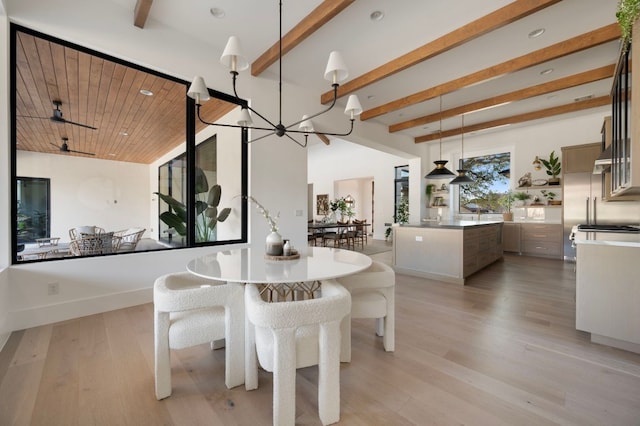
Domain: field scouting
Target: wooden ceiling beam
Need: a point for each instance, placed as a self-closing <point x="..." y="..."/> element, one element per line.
<point x="322" y="14"/>
<point x="501" y="17"/>
<point x="141" y="12"/>
<point x="324" y="138"/>
<point x="582" y="42"/>
<point x="529" y="92"/>
<point x="520" y="118"/>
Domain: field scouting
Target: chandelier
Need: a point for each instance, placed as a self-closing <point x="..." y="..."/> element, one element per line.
<point x="336" y="72"/>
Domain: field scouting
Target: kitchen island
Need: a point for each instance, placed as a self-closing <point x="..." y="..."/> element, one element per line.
<point x="447" y="251"/>
<point x="608" y="288"/>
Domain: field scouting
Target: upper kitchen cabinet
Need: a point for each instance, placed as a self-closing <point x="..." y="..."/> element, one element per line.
<point x="625" y="123"/>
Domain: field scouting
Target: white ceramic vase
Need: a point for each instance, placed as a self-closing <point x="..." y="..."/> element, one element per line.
<point x="273" y="245"/>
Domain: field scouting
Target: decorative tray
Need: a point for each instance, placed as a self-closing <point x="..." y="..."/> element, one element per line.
<point x="294" y="255"/>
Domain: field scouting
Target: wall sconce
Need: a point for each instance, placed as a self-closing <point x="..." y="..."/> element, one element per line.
<point x="537" y="165"/>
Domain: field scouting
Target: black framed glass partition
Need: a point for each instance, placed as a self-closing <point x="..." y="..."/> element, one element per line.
<point x="103" y="131"/>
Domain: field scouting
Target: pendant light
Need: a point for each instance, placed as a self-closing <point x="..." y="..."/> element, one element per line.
<point x="462" y="178"/>
<point x="440" y="172"/>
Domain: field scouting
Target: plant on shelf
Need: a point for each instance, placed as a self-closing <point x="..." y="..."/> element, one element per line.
<point x="550" y="196"/>
<point x="207" y="214"/>
<point x="626" y="14"/>
<point x="553" y="168"/>
<point x="521" y="197"/>
<point x="428" y="191"/>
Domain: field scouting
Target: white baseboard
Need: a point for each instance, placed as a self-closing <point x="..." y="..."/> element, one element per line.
<point x="48" y="314"/>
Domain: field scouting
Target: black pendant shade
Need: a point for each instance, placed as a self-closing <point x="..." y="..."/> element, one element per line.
<point x="440" y="172"/>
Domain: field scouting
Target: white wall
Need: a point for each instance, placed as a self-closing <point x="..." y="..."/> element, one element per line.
<point x="111" y="194"/>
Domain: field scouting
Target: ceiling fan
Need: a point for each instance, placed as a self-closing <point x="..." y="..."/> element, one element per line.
<point x="57" y="117"/>
<point x="65" y="148"/>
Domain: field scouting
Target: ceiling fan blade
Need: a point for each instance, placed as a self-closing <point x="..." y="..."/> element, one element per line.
<point x="32" y="116"/>
<point x="80" y="152"/>
<point x="62" y="120"/>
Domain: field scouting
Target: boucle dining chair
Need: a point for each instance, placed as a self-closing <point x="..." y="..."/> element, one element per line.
<point x="372" y="296"/>
<point x="285" y="336"/>
<point x="190" y="311"/>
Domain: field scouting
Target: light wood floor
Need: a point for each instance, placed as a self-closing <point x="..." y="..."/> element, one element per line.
<point x="500" y="351"/>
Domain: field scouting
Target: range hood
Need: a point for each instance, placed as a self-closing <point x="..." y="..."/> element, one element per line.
<point x="603" y="163"/>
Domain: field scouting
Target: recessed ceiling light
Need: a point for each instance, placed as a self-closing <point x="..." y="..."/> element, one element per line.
<point x="217" y="12"/>
<point x="371" y="97"/>
<point x="146" y="92"/>
<point x="547" y="71"/>
<point x="376" y="15"/>
<point x="536" y="33"/>
<point x="124" y="134"/>
<point x="112" y="154"/>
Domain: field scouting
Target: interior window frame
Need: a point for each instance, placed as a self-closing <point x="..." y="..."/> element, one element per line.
<point x="190" y="143"/>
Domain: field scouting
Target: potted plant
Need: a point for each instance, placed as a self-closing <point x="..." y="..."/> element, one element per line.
<point x="429" y="192"/>
<point x="506" y="202"/>
<point x="521" y="198"/>
<point x="550" y="196"/>
<point x="207" y="213"/>
<point x="553" y="168"/>
<point x="626" y="15"/>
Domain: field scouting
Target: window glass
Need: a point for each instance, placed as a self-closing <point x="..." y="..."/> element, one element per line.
<point x="489" y="184"/>
<point x="109" y="136"/>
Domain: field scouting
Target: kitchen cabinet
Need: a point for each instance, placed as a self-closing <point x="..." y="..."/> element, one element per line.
<point x="541" y="239"/>
<point x="608" y="292"/>
<point x="511" y="237"/>
<point x="625" y="123"/>
<point x="580" y="158"/>
<point x="447" y="251"/>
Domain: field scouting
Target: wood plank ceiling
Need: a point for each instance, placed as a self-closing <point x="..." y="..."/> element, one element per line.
<point x="107" y="95"/>
<point x="131" y="126"/>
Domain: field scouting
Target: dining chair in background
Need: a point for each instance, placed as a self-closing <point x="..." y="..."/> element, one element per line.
<point x="190" y="311"/>
<point x="285" y="336"/>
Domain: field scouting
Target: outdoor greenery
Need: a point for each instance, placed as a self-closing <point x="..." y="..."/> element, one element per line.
<point x="488" y="186"/>
<point x="207" y="214"/>
<point x="402" y="213"/>
<point x="627" y="13"/>
<point x="506" y="201"/>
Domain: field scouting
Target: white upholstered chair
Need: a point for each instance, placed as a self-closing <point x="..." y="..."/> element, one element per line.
<point x="290" y="335"/>
<point x="372" y="296"/>
<point x="190" y="311"/>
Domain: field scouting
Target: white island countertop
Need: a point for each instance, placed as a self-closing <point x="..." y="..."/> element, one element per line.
<point x="619" y="239"/>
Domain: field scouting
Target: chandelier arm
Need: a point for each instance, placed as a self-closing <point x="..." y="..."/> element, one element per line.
<point x="261" y="137"/>
<point x="323" y="133"/>
<point x="335" y="98"/>
<point x="228" y="125"/>
<point x="293" y="139"/>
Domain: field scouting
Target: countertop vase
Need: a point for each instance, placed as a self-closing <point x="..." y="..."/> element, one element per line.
<point x="274" y="244"/>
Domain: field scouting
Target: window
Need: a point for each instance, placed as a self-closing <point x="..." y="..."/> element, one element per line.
<point x="32" y="220"/>
<point x="401" y="199"/>
<point x="106" y="135"/>
<point x="488" y="186"/>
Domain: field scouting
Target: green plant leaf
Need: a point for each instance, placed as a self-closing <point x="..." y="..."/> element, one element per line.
<point x="211" y="212"/>
<point x="224" y="214"/>
<point x="179" y="208"/>
<point x="175" y="222"/>
<point x="213" y="222"/>
<point x="202" y="184"/>
<point x="214" y="195"/>
<point x="201" y="206"/>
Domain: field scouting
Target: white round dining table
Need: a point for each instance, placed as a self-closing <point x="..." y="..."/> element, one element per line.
<point x="249" y="265"/>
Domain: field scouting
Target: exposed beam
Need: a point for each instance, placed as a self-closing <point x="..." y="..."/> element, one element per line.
<point x="520" y="118"/>
<point x="141" y="12"/>
<point x="324" y="138"/>
<point x="573" y="45"/>
<point x="310" y="24"/>
<point x="501" y="17"/>
<point x="529" y="92"/>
